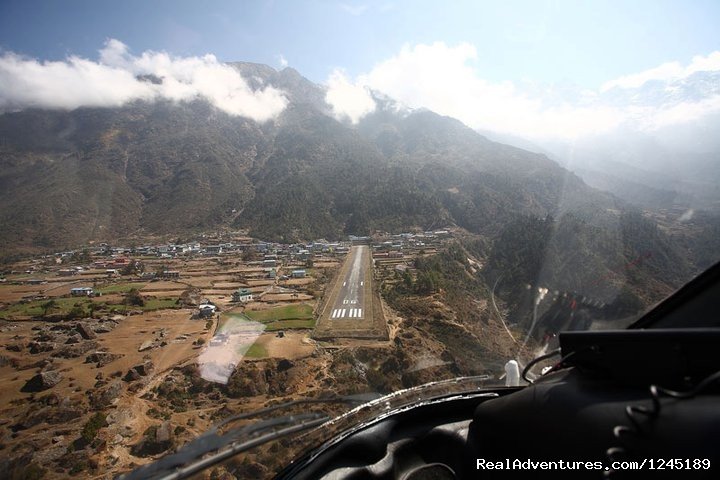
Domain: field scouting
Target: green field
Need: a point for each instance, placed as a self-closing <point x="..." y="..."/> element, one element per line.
<point x="290" y="324"/>
<point x="289" y="312"/>
<point x="34" y="308"/>
<point x="256" y="351"/>
<point x="64" y="305"/>
<point x="278" y="318"/>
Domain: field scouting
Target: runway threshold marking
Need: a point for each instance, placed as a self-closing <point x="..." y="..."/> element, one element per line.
<point x="346" y="313"/>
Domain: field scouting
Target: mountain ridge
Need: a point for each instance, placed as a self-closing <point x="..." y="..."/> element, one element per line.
<point x="166" y="167"/>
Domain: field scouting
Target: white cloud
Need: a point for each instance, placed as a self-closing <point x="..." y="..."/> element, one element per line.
<point x="113" y="81"/>
<point x="682" y="113"/>
<point x="66" y="85"/>
<point x="444" y="79"/>
<point x="282" y="61"/>
<point x="666" y="72"/>
<point x="348" y="100"/>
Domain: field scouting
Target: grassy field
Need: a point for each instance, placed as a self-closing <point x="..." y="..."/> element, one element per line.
<point x="63" y="306"/>
<point x="289" y="312"/>
<point x="256" y="351"/>
<point x="290" y="324"/>
<point x="278" y="318"/>
<point x="34" y="308"/>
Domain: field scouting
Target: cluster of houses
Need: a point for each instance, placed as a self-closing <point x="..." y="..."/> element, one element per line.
<point x="394" y="254"/>
<point x="118" y="257"/>
<point x="396" y="246"/>
<point x="296" y="251"/>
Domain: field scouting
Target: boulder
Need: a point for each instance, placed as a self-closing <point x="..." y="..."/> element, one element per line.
<point x="105" y="397"/>
<point x="163" y="432"/>
<point x="145" y="368"/>
<point x="74" y="351"/>
<point x="157" y="439"/>
<point x="39" y="347"/>
<point x="85" y="332"/>
<point x="45" y="336"/>
<point x="142" y="370"/>
<point x="103" y="328"/>
<point x="42" y="381"/>
<point x="101" y="358"/>
<point x="146" y="345"/>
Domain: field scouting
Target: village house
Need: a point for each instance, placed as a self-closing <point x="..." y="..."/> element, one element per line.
<point x="213" y="249"/>
<point x="81" y="292"/>
<point x="242" y="295"/>
<point x="206" y="309"/>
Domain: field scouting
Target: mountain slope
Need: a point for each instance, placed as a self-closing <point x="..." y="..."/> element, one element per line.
<point x="163" y="167"/>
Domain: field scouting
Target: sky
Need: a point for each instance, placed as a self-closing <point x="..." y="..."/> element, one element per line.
<point x="522" y="67"/>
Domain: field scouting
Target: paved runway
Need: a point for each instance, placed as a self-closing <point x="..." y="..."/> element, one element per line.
<point x="350" y="302"/>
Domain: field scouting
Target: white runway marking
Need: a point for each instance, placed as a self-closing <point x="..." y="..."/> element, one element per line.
<point x="353" y="302"/>
<point x="362" y="283"/>
<point x="346" y="313"/>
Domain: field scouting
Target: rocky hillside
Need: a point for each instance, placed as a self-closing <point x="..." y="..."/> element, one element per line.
<point x="67" y="177"/>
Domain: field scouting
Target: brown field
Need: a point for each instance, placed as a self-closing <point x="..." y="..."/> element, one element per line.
<point x="292" y="346"/>
<point x="125" y="339"/>
<point x="298" y="281"/>
<point x="163" y="286"/>
<point x="286" y="297"/>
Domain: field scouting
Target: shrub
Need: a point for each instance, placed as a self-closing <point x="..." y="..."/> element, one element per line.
<point x="91" y="428"/>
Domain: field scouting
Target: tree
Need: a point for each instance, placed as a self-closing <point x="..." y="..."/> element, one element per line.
<point x="91" y="428"/>
<point x="77" y="311"/>
<point x="133" y="297"/>
<point x="48" y="307"/>
<point x="407" y="280"/>
<point x="427" y="282"/>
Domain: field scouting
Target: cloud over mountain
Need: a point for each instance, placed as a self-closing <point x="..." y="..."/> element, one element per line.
<point x="667" y="72"/>
<point x="348" y="100"/>
<point x="443" y="78"/>
<point x="119" y="77"/>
